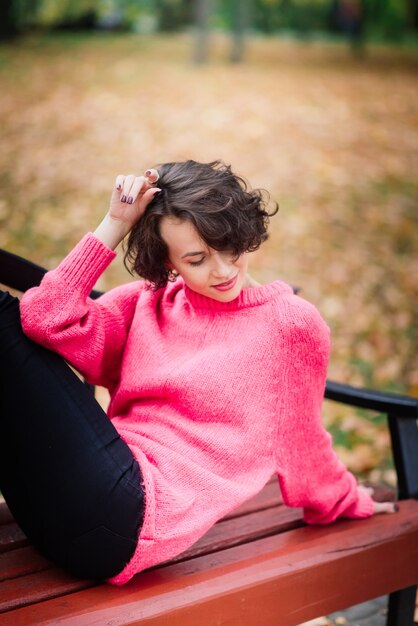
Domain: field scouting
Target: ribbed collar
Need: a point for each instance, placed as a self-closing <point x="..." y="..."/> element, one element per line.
<point x="253" y="296"/>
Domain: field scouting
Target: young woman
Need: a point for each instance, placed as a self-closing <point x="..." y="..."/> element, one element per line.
<point x="216" y="382"/>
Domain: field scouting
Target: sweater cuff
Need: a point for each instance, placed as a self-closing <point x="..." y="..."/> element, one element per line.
<point x="363" y="507"/>
<point x="83" y="266"/>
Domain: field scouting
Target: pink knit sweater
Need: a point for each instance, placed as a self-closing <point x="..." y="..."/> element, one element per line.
<point x="212" y="398"/>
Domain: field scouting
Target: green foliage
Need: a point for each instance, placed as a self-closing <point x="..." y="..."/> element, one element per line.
<point x="16" y="15"/>
<point x="384" y="19"/>
<point x="365" y="369"/>
<point x="388" y="19"/>
<point x="53" y="11"/>
<point x="347" y="439"/>
<point x="298" y="15"/>
<point x="174" y="15"/>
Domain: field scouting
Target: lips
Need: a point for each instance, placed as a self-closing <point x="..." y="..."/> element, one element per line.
<point x="226" y="286"/>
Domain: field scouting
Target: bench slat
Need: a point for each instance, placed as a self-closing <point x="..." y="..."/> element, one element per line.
<point x="268" y="497"/>
<point x="305" y="570"/>
<point x="11" y="536"/>
<point x="236" y="531"/>
<point x="221" y="536"/>
<point x="261" y="516"/>
<point x="21" y="562"/>
<point x="38" y="587"/>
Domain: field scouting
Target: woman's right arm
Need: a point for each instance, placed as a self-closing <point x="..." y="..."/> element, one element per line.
<point x="59" y="314"/>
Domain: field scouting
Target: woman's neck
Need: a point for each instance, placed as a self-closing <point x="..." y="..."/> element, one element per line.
<point x="250" y="282"/>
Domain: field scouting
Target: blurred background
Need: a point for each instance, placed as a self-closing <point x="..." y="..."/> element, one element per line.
<point x="315" y="101"/>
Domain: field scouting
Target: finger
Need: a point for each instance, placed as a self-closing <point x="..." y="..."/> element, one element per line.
<point x="128" y="182"/>
<point x="368" y="490"/>
<point x="152" y="175"/>
<point x="385" y="507"/>
<point x="140" y="184"/>
<point x="148" y="196"/>
<point x="119" y="182"/>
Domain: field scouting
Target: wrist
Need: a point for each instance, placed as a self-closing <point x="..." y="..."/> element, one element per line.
<point x="111" y="231"/>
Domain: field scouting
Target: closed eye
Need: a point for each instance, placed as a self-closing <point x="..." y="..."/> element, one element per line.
<point x="197" y="262"/>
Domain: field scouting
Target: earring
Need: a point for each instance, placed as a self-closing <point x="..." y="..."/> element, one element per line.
<point x="172" y="275"/>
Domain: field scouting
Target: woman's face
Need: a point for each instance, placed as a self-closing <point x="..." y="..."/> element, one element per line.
<point x="204" y="270"/>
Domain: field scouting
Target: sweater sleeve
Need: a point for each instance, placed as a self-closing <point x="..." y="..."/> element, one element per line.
<point x="310" y="473"/>
<point x="89" y="334"/>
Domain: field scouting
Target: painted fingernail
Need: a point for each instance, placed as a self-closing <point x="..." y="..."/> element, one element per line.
<point x="130" y="200"/>
<point x="119" y="187"/>
<point x="148" y="173"/>
<point x="396" y="507"/>
<point x="123" y="199"/>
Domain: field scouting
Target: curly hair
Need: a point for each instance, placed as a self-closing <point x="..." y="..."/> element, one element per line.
<point x="226" y="214"/>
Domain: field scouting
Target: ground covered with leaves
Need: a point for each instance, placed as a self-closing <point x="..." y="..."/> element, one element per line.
<point x="333" y="138"/>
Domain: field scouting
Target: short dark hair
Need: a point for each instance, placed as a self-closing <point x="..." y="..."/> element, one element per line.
<point x="225" y="212"/>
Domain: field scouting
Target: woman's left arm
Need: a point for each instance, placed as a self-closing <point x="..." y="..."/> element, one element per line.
<point x="310" y="473"/>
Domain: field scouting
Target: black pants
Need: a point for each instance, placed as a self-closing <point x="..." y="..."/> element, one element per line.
<point x="70" y="481"/>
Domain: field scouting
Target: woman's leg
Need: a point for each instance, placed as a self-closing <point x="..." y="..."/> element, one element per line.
<point x="71" y="482"/>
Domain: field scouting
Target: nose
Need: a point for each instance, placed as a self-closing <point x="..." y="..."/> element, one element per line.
<point x="221" y="268"/>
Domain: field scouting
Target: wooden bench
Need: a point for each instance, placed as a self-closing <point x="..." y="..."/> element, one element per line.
<point x="260" y="565"/>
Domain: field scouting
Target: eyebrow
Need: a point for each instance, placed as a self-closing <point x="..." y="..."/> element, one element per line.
<point x="193" y="254"/>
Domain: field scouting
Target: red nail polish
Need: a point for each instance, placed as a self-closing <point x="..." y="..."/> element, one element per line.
<point x="130" y="200"/>
<point x="123" y="199"/>
<point x="148" y="173"/>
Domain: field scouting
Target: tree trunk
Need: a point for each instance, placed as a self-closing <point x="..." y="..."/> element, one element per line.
<point x="8" y="26"/>
<point x="203" y="12"/>
<point x="413" y="14"/>
<point x="241" y="15"/>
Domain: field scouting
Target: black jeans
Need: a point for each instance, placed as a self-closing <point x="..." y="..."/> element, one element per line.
<point x="71" y="482"/>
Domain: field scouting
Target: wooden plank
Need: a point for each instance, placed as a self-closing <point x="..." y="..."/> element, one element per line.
<point x="268" y="497"/>
<point x="25" y="561"/>
<point x="223" y="535"/>
<point x="284" y="579"/>
<point x="271" y="496"/>
<point x="234" y="529"/>
<point x="38" y="587"/>
<point x="12" y="537"/>
<point x="21" y="562"/>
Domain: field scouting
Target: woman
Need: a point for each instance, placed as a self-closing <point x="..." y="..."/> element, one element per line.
<point x="216" y="382"/>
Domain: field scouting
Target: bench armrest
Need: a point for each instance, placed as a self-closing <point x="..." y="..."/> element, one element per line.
<point x="402" y="414"/>
<point x="21" y="274"/>
<point x="381" y="401"/>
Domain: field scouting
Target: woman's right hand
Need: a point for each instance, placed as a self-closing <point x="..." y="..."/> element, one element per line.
<point x="130" y="197"/>
<point x="379" y="507"/>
